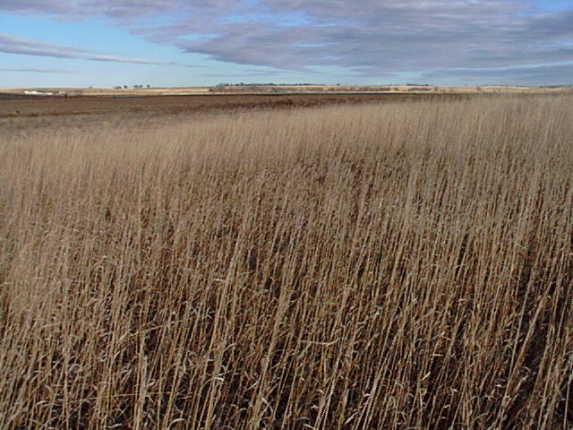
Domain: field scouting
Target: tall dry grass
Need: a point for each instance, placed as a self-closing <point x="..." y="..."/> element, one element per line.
<point x="391" y="267"/>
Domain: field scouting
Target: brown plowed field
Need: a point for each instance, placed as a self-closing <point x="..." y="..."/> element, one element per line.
<point x="22" y="115"/>
<point x="18" y="106"/>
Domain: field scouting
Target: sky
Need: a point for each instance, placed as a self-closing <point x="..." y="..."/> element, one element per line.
<point x="166" y="43"/>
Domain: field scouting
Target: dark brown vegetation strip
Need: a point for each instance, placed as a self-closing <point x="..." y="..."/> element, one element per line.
<point x="14" y="106"/>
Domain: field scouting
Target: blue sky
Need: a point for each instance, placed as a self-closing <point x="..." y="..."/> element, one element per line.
<point x="103" y="43"/>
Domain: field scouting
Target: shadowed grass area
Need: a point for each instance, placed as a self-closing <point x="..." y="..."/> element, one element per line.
<point x="397" y="266"/>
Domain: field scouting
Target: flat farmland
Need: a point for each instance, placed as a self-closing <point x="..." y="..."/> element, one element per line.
<point x="26" y="115"/>
<point x="18" y="106"/>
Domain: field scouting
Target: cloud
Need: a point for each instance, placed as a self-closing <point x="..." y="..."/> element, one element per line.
<point x="120" y="9"/>
<point x="377" y="38"/>
<point x="367" y="38"/>
<point x="14" y="45"/>
<point x="33" y="70"/>
<point x="116" y="59"/>
<point x="36" y="6"/>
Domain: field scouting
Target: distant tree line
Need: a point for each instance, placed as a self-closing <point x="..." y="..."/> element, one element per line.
<point x="125" y="87"/>
<point x="267" y="84"/>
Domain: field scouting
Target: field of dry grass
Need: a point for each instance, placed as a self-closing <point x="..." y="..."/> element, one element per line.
<point x="400" y="266"/>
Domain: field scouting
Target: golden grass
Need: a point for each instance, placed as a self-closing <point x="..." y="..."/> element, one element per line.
<point x="391" y="267"/>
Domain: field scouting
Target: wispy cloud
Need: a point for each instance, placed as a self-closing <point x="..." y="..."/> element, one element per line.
<point x="15" y="45"/>
<point x="33" y="70"/>
<point x="120" y="9"/>
<point x="37" y="6"/>
<point x="116" y="59"/>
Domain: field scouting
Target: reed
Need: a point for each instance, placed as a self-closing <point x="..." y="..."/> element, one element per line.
<point x="393" y="266"/>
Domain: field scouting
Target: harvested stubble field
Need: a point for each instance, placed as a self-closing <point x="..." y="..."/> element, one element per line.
<point x="19" y="106"/>
<point x="395" y="266"/>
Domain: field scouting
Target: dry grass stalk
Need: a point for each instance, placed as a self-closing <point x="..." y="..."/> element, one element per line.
<point x="401" y="266"/>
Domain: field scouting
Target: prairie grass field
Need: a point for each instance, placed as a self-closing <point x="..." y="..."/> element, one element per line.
<point x="393" y="266"/>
